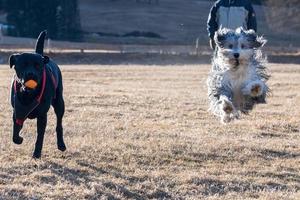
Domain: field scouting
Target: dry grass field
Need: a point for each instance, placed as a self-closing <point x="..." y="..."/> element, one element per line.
<point x="143" y="132"/>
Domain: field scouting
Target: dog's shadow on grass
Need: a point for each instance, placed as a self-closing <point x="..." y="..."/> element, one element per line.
<point x="207" y="187"/>
<point x="159" y="194"/>
<point x="109" y="182"/>
<point x="112" y="182"/>
<point x="89" y="173"/>
<point x="269" y="154"/>
<point x="13" y="194"/>
<point x="82" y="176"/>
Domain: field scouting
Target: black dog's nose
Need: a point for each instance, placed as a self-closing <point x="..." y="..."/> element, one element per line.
<point x="236" y="55"/>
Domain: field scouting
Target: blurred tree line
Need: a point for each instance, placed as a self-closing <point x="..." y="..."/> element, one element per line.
<point x="60" y="17"/>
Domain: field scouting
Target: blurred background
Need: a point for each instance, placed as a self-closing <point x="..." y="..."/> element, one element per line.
<point x="137" y="27"/>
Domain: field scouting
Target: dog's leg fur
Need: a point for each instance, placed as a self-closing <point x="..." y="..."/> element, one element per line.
<point x="221" y="99"/>
<point x="17" y="139"/>
<point x="41" y="127"/>
<point x="226" y="109"/>
<point x="254" y="92"/>
<point x="59" y="109"/>
<point x="222" y="106"/>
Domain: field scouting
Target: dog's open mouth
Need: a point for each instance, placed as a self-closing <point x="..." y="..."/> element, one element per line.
<point x="235" y="63"/>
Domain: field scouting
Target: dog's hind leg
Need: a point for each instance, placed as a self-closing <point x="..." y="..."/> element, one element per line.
<point x="59" y="109"/>
<point x="41" y="127"/>
<point x="17" y="139"/>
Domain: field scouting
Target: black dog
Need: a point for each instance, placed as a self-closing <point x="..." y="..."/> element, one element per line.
<point x="35" y="103"/>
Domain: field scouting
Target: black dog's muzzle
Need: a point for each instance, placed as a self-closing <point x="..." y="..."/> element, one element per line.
<point x="22" y="81"/>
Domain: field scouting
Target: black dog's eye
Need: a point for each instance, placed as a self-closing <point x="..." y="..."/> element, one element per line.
<point x="242" y="46"/>
<point x="36" y="65"/>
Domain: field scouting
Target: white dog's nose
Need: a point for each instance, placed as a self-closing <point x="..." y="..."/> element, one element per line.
<point x="236" y="55"/>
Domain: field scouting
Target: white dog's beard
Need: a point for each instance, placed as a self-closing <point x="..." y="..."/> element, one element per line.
<point x="234" y="63"/>
<point x="227" y="59"/>
<point x="230" y="63"/>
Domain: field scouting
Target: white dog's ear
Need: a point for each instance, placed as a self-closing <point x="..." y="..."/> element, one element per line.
<point x="221" y="35"/>
<point x="260" y="42"/>
<point x="252" y="37"/>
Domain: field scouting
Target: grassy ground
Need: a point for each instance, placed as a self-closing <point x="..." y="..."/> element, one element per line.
<point x="140" y="132"/>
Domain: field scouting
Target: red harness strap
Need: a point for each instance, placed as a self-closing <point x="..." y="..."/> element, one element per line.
<point x="20" y="122"/>
<point x="39" y="97"/>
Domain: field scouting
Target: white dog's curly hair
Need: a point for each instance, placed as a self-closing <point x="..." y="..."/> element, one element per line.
<point x="238" y="77"/>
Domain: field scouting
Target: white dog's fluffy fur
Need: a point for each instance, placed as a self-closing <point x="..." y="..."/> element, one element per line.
<point x="238" y="77"/>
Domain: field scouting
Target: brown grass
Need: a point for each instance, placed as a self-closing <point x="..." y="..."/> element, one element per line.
<point x="143" y="132"/>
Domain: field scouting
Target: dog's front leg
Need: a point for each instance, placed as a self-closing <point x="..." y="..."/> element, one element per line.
<point x="41" y="127"/>
<point x="17" y="139"/>
<point x="255" y="89"/>
<point x="226" y="109"/>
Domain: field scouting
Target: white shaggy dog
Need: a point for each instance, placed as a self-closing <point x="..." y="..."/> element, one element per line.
<point x="238" y="77"/>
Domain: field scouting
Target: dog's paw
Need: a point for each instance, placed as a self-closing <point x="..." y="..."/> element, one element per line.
<point x="256" y="90"/>
<point x="253" y="89"/>
<point x="225" y="119"/>
<point x="18" y="140"/>
<point x="228" y="111"/>
<point x="227" y="106"/>
<point x="61" y="146"/>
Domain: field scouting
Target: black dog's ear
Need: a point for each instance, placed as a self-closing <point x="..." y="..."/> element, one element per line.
<point x="13" y="59"/>
<point x="46" y="59"/>
<point x="256" y="41"/>
<point x="221" y="35"/>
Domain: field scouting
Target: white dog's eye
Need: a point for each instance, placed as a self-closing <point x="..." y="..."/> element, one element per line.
<point x="242" y="46"/>
<point x="230" y="46"/>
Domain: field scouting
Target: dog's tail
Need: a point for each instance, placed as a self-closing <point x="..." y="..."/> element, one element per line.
<point x="39" y="46"/>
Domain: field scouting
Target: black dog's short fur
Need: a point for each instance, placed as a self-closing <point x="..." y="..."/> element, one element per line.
<point x="26" y="101"/>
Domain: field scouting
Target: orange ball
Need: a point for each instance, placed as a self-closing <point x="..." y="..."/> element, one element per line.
<point x="31" y="84"/>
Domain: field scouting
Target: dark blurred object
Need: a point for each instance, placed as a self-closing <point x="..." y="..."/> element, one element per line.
<point x="5" y="29"/>
<point x="257" y="2"/>
<point x="142" y="34"/>
<point x="59" y="17"/>
<point x="68" y="20"/>
<point x="149" y="1"/>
